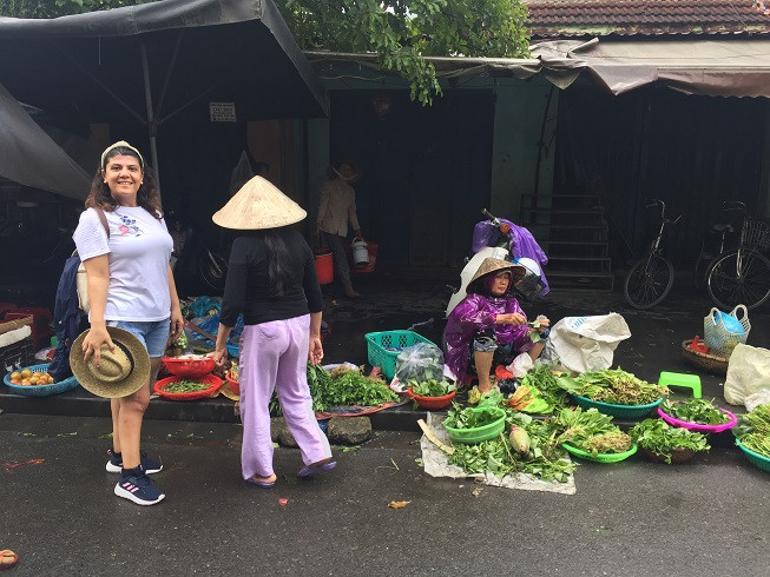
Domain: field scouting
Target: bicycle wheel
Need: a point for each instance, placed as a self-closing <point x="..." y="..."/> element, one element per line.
<point x="648" y="282"/>
<point x="752" y="289"/>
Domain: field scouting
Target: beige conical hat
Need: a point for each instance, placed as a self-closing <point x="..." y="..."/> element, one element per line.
<point x="491" y="265"/>
<point x="258" y="205"/>
<point x="121" y="372"/>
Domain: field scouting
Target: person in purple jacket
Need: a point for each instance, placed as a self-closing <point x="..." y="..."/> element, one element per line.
<point x="489" y="327"/>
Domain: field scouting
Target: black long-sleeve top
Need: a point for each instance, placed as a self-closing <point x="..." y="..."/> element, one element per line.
<point x="247" y="287"/>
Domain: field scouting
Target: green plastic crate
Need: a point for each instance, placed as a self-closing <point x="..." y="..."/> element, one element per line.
<point x="378" y="345"/>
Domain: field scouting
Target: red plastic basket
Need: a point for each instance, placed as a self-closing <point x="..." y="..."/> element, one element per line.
<point x="214" y="385"/>
<point x="191" y="368"/>
<point x="235" y="387"/>
<point x="432" y="403"/>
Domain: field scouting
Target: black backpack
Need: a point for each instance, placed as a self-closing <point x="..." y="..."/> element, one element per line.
<point x="69" y="321"/>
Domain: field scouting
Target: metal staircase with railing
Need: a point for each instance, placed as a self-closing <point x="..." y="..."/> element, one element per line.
<point x="573" y="231"/>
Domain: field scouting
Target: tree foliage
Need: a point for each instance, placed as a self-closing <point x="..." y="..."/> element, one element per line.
<point x="400" y="32"/>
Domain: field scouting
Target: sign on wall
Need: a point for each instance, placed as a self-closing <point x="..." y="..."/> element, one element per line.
<point x="222" y="111"/>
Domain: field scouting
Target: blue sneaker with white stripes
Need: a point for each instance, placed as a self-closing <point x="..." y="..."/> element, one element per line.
<point x="138" y="488"/>
<point x="115" y="463"/>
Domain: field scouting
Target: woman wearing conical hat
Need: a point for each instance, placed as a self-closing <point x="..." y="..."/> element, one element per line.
<point x="271" y="280"/>
<point x="489" y="327"/>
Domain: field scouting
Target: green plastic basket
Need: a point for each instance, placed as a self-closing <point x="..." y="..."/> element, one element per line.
<point x="383" y="348"/>
<point x="479" y="434"/>
<point x="759" y="461"/>
<point x="605" y="458"/>
<point x="622" y="411"/>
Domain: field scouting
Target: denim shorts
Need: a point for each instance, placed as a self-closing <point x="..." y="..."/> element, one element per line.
<point x="153" y="334"/>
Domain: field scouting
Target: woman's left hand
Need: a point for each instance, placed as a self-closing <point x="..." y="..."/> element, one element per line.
<point x="316" y="350"/>
<point x="177" y="323"/>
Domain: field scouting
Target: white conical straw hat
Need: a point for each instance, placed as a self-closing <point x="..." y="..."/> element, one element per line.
<point x="258" y="205"/>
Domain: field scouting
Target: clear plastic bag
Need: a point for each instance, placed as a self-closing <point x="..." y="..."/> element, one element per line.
<point x="420" y="362"/>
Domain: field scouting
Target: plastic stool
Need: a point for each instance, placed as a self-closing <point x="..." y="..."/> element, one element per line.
<point x="684" y="380"/>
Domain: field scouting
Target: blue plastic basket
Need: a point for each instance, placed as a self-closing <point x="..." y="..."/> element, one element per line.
<point x="383" y="348"/>
<point x="233" y="350"/>
<point x="759" y="461"/>
<point x="41" y="390"/>
<point x="621" y="411"/>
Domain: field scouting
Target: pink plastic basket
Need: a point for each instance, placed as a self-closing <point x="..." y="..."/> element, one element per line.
<point x="700" y="427"/>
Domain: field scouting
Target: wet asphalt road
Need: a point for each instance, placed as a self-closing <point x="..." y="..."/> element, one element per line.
<point x="709" y="518"/>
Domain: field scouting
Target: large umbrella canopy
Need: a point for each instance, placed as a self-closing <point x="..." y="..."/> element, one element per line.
<point x="154" y="60"/>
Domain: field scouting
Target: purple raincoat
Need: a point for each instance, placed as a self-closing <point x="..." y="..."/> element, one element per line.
<point x="475" y="313"/>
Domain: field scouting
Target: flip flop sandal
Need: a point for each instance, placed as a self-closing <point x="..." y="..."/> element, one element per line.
<point x="8" y="559"/>
<point x="310" y="471"/>
<point x="262" y="484"/>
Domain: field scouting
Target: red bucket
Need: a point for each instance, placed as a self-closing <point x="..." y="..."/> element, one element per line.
<point x="324" y="267"/>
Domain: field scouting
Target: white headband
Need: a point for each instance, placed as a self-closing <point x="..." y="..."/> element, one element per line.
<point x="121" y="144"/>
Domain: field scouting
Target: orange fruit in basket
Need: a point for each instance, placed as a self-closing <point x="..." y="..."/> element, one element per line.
<point x="15" y="381"/>
<point x="16" y="375"/>
<point x="25" y="382"/>
<point x="26" y="373"/>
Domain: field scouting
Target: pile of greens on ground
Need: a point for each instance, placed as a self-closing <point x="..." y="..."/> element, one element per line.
<point x="542" y="459"/>
<point x="345" y="387"/>
<point x="431" y="388"/>
<point x="662" y="439"/>
<point x="590" y="430"/>
<point x="185" y="386"/>
<point x="695" y="411"/>
<point x="542" y="378"/>
<point x="753" y="430"/>
<point x="614" y="386"/>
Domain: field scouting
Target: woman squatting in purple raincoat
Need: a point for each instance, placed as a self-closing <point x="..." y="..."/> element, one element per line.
<point x="489" y="327"/>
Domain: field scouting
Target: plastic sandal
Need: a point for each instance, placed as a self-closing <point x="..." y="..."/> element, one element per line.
<point x="310" y="471"/>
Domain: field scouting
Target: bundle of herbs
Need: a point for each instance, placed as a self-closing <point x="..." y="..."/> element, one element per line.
<point x="345" y="387"/>
<point x="431" y="388"/>
<point x="695" y="411"/>
<point x="614" y="386"/>
<point x="589" y="430"/>
<point x="185" y="386"/>
<point x="471" y="417"/>
<point x="661" y="439"/>
<point x="753" y="430"/>
<point x="542" y="378"/>
<point x="544" y="459"/>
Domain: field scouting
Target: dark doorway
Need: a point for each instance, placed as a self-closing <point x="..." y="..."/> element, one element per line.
<point x="693" y="152"/>
<point x="426" y="170"/>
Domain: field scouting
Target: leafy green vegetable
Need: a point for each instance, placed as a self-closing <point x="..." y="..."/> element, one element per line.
<point x="431" y="388"/>
<point x="590" y="430"/>
<point x="471" y="417"/>
<point x="614" y="386"/>
<point x="754" y="430"/>
<point x="695" y="411"/>
<point x="185" y="386"/>
<point x="542" y="379"/>
<point x="662" y="439"/>
<point x="544" y="460"/>
<point x="345" y="388"/>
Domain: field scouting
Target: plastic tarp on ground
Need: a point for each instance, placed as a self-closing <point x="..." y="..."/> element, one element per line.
<point x="32" y="158"/>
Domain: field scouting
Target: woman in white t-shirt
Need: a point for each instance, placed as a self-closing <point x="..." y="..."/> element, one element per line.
<point x="131" y="286"/>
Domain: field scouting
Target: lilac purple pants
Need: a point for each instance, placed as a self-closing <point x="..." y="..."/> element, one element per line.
<point x="274" y="358"/>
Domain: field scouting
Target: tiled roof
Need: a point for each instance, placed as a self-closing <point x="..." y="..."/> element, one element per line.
<point x="580" y="18"/>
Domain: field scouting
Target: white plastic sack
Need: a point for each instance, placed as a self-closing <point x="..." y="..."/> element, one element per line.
<point x="747" y="373"/>
<point x="521" y="365"/>
<point x="582" y="344"/>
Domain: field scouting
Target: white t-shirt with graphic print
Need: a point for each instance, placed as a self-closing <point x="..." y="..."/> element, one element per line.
<point x="139" y="250"/>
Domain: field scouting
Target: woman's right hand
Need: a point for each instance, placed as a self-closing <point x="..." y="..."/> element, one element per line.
<point x="219" y="356"/>
<point x="511" y="319"/>
<point x="93" y="342"/>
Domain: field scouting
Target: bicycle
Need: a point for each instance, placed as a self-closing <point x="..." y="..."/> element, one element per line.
<point x="742" y="276"/>
<point x="649" y="281"/>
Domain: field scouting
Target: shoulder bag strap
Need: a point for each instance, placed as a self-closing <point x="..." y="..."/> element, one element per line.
<point x="103" y="218"/>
